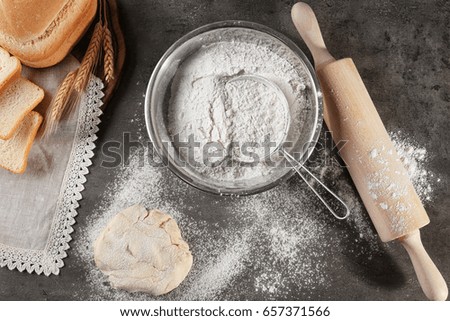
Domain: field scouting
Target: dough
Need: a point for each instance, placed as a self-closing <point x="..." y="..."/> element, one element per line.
<point x="143" y="251"/>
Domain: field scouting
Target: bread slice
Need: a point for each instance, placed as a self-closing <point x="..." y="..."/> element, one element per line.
<point x="42" y="32"/>
<point x="16" y="101"/>
<point x="14" y="151"/>
<point x="10" y="69"/>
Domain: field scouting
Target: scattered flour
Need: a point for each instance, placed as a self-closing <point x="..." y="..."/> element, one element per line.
<point x="274" y="245"/>
<point x="390" y="186"/>
<point x="415" y="158"/>
<point x="374" y="153"/>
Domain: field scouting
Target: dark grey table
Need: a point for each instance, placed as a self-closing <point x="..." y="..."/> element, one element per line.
<point x="402" y="50"/>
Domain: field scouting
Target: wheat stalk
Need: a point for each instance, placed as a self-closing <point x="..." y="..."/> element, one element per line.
<point x="108" y="59"/>
<point x="108" y="47"/>
<point x="69" y="92"/>
<point x="90" y="59"/>
<point x="59" y="103"/>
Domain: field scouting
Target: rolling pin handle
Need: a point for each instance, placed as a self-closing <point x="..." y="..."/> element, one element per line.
<point x="307" y="25"/>
<point x="430" y="279"/>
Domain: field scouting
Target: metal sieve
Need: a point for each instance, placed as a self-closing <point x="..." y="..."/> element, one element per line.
<point x="159" y="92"/>
<point x="278" y="148"/>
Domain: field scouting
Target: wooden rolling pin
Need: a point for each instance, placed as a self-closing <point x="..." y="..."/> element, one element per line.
<point x="371" y="158"/>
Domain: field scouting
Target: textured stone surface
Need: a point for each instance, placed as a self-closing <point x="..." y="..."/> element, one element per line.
<point x="402" y="50"/>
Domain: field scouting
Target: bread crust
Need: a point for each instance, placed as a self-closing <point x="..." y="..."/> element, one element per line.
<point x="30" y="141"/>
<point x="12" y="77"/>
<point x="25" y="112"/>
<point x="50" y="47"/>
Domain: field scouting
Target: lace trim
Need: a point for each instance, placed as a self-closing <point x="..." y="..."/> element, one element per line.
<point x="50" y="260"/>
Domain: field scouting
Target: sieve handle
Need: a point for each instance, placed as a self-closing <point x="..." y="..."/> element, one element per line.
<point x="296" y="165"/>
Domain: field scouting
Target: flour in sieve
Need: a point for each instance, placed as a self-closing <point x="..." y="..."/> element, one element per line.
<point x="216" y="97"/>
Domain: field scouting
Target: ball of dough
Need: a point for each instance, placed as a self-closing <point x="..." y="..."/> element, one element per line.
<point x="143" y="251"/>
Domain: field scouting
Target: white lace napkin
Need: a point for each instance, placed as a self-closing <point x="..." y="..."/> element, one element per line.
<point x="38" y="207"/>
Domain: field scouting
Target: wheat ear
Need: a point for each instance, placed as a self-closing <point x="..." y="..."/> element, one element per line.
<point x="108" y="59"/>
<point x="90" y="59"/>
<point x="59" y="103"/>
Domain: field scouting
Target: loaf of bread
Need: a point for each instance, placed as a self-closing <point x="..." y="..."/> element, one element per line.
<point x="10" y="69"/>
<point x="16" y="101"/>
<point x="42" y="32"/>
<point x="14" y="151"/>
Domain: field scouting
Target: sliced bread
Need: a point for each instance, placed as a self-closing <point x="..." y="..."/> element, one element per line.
<point x="14" y="151"/>
<point x="16" y="101"/>
<point x="10" y="69"/>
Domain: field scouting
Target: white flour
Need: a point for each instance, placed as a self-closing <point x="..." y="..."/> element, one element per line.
<point x="274" y="245"/>
<point x="236" y="91"/>
<point x="415" y="158"/>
